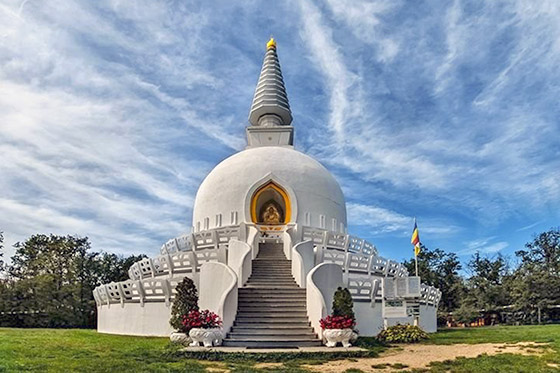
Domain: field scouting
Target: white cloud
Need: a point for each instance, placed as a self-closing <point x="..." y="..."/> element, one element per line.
<point x="483" y="246"/>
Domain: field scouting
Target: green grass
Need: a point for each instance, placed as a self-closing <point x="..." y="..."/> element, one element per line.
<point x="66" y="350"/>
<point x="63" y="350"/>
<point x="505" y="363"/>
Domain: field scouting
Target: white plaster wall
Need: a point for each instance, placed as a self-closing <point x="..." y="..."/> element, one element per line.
<point x="226" y="188"/>
<point x="133" y="319"/>
<point x="240" y="260"/>
<point x="428" y="318"/>
<point x="303" y="260"/>
<point x="369" y="320"/>
<point x="218" y="291"/>
<point x="322" y="282"/>
<point x="400" y="320"/>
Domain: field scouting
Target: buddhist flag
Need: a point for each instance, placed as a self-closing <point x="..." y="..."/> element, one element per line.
<point x="415" y="240"/>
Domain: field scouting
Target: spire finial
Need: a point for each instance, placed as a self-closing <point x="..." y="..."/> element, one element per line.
<point x="270" y="104"/>
<point x="271" y="43"/>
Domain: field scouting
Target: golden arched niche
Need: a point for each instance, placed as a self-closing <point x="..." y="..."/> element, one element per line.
<point x="270" y="205"/>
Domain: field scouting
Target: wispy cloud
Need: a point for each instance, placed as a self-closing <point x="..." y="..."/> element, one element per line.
<point x="483" y="246"/>
<point x="113" y="112"/>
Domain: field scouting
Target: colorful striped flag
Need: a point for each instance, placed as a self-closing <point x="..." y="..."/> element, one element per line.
<point x="415" y="240"/>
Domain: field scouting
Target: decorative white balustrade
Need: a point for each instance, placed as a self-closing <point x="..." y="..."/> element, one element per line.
<point x="364" y="269"/>
<point x="202" y="240"/>
<point x="153" y="279"/>
<point x="353" y="254"/>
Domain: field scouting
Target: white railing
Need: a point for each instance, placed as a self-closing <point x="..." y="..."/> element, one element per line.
<point x="429" y="295"/>
<point x="176" y="263"/>
<point x="364" y="269"/>
<point x="353" y="254"/>
<point x="338" y="241"/>
<point x="202" y="240"/>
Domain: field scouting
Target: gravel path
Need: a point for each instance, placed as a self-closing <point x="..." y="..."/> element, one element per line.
<point x="419" y="356"/>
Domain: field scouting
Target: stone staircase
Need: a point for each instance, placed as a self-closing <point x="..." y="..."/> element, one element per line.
<point x="272" y="307"/>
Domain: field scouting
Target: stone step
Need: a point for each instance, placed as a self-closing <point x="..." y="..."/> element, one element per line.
<point x="267" y="329"/>
<point x="271" y="303"/>
<point x="292" y="291"/>
<point x="270" y="287"/>
<point x="277" y="315"/>
<point x="270" y="282"/>
<point x="273" y="276"/>
<point x="274" y="326"/>
<point x="277" y="261"/>
<point x="272" y="336"/>
<point x="260" y="319"/>
<point x="271" y="300"/>
<point x="294" y="343"/>
<point x="272" y="270"/>
<point x="268" y="310"/>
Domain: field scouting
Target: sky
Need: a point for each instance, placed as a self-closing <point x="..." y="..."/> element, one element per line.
<point x="113" y="112"/>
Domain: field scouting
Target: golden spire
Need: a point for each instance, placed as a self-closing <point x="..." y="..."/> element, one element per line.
<point x="271" y="44"/>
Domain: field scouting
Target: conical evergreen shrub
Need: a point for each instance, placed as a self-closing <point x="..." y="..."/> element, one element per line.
<point x="343" y="304"/>
<point x="186" y="300"/>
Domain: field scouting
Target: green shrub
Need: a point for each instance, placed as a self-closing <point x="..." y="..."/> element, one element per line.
<point x="402" y="334"/>
<point x="466" y="314"/>
<point x="186" y="300"/>
<point x="343" y="304"/>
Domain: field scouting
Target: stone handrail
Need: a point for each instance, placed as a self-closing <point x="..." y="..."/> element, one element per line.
<point x="218" y="292"/>
<point x="322" y="282"/>
<point x="178" y="263"/>
<point x="303" y="260"/>
<point x="242" y="261"/>
<point x="362" y="266"/>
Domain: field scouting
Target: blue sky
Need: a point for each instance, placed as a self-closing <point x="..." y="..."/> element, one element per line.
<point x="113" y="112"/>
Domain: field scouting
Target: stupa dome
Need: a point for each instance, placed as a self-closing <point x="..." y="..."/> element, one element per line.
<point x="224" y="197"/>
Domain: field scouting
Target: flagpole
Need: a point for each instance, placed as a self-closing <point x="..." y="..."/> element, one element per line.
<point x="415" y="251"/>
<point x="416" y="261"/>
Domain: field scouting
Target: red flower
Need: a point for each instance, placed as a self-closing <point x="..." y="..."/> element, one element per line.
<point x="337" y="322"/>
<point x="205" y="319"/>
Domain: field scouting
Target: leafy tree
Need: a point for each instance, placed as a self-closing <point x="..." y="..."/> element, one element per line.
<point x="535" y="285"/>
<point x="466" y="313"/>
<point x="186" y="300"/>
<point x="343" y="304"/>
<point x="1" y="253"/>
<point x="51" y="279"/>
<point x="485" y="286"/>
<point x="440" y="269"/>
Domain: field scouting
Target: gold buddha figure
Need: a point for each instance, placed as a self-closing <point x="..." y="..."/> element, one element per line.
<point x="271" y="215"/>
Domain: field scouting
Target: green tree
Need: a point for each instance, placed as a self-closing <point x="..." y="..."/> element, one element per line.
<point x="1" y="255"/>
<point x="440" y="269"/>
<point x="51" y="279"/>
<point x="186" y="300"/>
<point x="342" y="303"/>
<point x="485" y="286"/>
<point x="535" y="285"/>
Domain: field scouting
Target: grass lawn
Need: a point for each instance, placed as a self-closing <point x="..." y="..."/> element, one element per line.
<point x="56" y="350"/>
<point x="503" y="362"/>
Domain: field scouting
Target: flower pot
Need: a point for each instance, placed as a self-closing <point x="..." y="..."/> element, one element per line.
<point x="333" y="336"/>
<point x="180" y="338"/>
<point x="207" y="337"/>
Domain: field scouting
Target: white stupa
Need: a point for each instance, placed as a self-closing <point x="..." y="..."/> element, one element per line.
<point x="268" y="248"/>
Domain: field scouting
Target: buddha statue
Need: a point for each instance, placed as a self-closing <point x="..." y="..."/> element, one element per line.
<point x="271" y="215"/>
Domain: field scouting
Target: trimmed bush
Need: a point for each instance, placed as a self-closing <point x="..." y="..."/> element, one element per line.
<point x="186" y="300"/>
<point x="402" y="334"/>
<point x="343" y="304"/>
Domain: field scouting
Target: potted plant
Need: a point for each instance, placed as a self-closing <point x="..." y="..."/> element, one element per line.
<point x="339" y="327"/>
<point x="204" y="327"/>
<point x="186" y="300"/>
